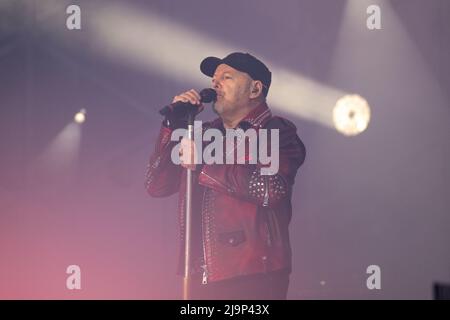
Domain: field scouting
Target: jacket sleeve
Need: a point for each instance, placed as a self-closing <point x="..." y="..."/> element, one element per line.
<point x="162" y="176"/>
<point x="246" y="181"/>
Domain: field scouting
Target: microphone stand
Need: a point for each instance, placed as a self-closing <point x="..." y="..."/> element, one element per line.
<point x="207" y="95"/>
<point x="188" y="216"/>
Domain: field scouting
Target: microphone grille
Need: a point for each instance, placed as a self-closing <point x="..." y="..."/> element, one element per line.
<point x="208" y="95"/>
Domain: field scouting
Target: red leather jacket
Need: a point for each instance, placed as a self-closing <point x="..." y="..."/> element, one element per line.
<point x="240" y="217"/>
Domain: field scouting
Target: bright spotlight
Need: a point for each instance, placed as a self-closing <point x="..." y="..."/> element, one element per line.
<point x="351" y="115"/>
<point x="80" y="116"/>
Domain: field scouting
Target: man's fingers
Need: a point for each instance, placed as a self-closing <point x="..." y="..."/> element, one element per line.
<point x="193" y="167"/>
<point x="187" y="151"/>
<point x="189" y="96"/>
<point x="193" y="97"/>
<point x="196" y="94"/>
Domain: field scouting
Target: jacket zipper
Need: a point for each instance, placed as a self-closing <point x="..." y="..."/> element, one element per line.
<point x="205" y="275"/>
<point x="266" y="204"/>
<point x="266" y="194"/>
<point x="205" y="266"/>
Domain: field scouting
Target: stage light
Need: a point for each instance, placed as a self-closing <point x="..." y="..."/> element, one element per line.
<point x="290" y="92"/>
<point x="80" y="116"/>
<point x="351" y="115"/>
<point x="138" y="38"/>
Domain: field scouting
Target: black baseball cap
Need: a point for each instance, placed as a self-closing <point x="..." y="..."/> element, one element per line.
<point x="244" y="62"/>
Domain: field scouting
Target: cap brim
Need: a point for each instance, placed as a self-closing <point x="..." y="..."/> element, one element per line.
<point x="209" y="65"/>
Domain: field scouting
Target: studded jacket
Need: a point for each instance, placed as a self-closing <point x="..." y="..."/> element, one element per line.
<point x="240" y="216"/>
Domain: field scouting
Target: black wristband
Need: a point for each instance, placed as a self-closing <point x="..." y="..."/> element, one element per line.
<point x="174" y="123"/>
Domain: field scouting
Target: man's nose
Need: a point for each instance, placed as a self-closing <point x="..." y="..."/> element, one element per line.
<point x="215" y="83"/>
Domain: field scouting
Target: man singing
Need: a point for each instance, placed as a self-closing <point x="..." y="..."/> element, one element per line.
<point x="240" y="216"/>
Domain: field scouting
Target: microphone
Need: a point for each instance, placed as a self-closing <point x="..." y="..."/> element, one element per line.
<point x="180" y="108"/>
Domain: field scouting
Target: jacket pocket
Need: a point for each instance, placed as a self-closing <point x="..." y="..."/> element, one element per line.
<point x="233" y="238"/>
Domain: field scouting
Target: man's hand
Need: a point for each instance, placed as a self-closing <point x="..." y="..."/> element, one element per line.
<point x="188" y="154"/>
<point x="178" y="117"/>
<point x="190" y="96"/>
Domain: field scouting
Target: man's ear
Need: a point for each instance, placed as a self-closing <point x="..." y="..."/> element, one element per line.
<point x="256" y="89"/>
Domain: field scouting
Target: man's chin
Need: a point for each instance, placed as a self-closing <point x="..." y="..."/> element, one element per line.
<point x="216" y="108"/>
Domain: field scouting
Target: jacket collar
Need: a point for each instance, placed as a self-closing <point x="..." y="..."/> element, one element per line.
<point x="255" y="118"/>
